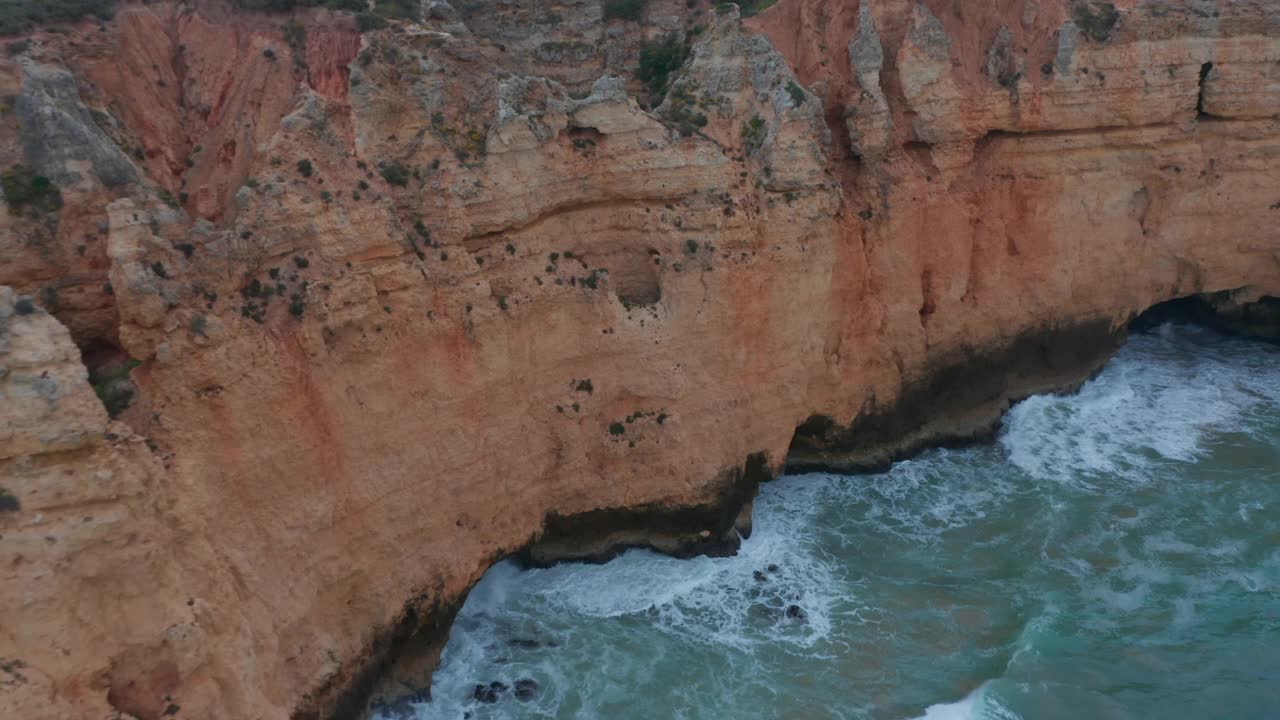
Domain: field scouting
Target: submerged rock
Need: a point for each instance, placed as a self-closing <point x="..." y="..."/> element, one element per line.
<point x="526" y="688"/>
<point x="489" y="693"/>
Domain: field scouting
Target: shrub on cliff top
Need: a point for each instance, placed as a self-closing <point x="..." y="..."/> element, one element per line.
<point x="624" y="10"/>
<point x="24" y="188"/>
<point x="367" y="21"/>
<point x="402" y="9"/>
<point x="395" y="173"/>
<point x="1095" y="19"/>
<point x="658" y="60"/>
<point x="755" y="7"/>
<point x="18" y="16"/>
<point x="796" y="92"/>
<point x="282" y="5"/>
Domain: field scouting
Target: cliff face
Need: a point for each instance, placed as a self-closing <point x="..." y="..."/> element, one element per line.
<point x="409" y="301"/>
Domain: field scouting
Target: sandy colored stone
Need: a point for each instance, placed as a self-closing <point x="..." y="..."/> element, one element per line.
<point x="506" y="308"/>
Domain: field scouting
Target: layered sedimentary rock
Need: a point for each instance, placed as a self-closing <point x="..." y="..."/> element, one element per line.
<point x="408" y="301"/>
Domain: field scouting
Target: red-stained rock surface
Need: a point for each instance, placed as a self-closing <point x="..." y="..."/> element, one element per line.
<point x="408" y="302"/>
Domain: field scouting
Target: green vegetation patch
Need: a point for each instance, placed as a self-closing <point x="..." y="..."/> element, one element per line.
<point x="683" y="111"/>
<point x="796" y="92"/>
<point x="753" y="134"/>
<point x="658" y="60"/>
<point x="113" y="387"/>
<point x="366" y="19"/>
<point x="288" y="5"/>
<point x="631" y="10"/>
<point x="401" y="9"/>
<point x="395" y="173"/>
<point x="19" y="16"/>
<point x="24" y="188"/>
<point x="755" y="7"/>
<point x="1095" y="19"/>
<point x="367" y="22"/>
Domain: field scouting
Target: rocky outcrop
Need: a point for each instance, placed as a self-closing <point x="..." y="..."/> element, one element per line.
<point x="92" y="571"/>
<point x="408" y="301"/>
<point x="58" y="134"/>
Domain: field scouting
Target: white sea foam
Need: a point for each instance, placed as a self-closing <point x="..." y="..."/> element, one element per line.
<point x="960" y="710"/>
<point x="734" y="603"/>
<point x="1160" y="400"/>
<point x="977" y="705"/>
<point x="708" y="598"/>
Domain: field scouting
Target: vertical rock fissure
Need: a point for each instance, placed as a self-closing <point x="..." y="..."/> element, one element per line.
<point x="1205" y="69"/>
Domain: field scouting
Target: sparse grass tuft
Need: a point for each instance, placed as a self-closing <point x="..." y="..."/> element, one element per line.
<point x="753" y="134"/>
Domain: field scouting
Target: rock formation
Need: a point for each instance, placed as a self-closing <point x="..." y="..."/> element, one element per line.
<point x="377" y="302"/>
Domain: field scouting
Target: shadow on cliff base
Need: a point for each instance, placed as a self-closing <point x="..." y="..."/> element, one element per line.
<point x="960" y="398"/>
<point x="1222" y="311"/>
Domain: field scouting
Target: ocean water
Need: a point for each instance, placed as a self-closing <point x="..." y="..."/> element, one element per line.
<point x="1116" y="554"/>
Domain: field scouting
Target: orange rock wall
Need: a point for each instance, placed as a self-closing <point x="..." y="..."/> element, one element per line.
<point x="564" y="313"/>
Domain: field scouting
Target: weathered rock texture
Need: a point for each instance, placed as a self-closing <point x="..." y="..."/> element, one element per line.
<point x="411" y="301"/>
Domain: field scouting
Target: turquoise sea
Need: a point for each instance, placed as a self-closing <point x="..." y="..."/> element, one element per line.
<point x="1115" y="554"/>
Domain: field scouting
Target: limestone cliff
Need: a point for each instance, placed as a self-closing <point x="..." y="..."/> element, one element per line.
<point x="376" y="302"/>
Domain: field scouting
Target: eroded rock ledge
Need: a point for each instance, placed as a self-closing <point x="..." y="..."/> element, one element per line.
<point x="960" y="399"/>
<point x="375" y="309"/>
